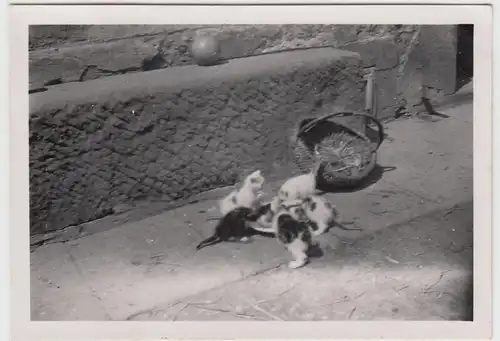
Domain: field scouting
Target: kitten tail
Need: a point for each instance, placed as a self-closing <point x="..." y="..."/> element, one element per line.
<point x="343" y="227"/>
<point x="317" y="166"/>
<point x="207" y="242"/>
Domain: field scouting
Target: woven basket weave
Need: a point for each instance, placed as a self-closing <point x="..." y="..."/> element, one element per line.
<point x="347" y="156"/>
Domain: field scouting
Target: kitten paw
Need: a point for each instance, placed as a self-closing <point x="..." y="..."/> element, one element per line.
<point x="297" y="263"/>
<point x="245" y="239"/>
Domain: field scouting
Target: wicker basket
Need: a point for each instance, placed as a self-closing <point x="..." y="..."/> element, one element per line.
<point x="346" y="156"/>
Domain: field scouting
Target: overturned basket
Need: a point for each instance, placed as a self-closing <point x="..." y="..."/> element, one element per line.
<point x="346" y="156"/>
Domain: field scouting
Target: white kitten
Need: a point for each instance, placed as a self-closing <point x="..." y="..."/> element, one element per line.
<point x="248" y="195"/>
<point x="301" y="186"/>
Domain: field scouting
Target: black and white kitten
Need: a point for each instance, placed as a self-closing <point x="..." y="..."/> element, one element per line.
<point x="294" y="233"/>
<point x="248" y="195"/>
<point x="322" y="215"/>
<point x="266" y="212"/>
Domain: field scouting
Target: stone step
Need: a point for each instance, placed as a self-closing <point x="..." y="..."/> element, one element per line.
<point x="63" y="55"/>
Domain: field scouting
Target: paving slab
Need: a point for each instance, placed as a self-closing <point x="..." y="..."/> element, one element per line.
<point x="432" y="159"/>
<point x="58" y="291"/>
<point x="421" y="270"/>
<point x="157" y="255"/>
<point x="376" y="207"/>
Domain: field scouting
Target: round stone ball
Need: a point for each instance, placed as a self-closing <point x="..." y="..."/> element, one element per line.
<point x="205" y="50"/>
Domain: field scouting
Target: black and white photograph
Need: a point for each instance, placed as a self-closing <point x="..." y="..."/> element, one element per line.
<point x="252" y="172"/>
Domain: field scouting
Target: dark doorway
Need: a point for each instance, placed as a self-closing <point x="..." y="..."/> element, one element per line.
<point x="465" y="55"/>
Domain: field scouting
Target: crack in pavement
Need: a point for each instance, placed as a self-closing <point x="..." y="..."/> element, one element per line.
<point x="93" y="292"/>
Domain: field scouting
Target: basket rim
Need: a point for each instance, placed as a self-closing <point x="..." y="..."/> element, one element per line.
<point x="342" y="113"/>
<point x="297" y="132"/>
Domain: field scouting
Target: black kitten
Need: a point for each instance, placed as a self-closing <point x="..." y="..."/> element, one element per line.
<point x="234" y="225"/>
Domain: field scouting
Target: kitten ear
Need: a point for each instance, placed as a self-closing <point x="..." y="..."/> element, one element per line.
<point x="255" y="173"/>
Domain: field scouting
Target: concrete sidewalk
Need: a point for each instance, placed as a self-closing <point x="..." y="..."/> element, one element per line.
<point x="417" y="221"/>
<point x="421" y="270"/>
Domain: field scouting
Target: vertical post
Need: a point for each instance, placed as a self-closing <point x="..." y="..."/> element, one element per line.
<point x="371" y="102"/>
<point x="370" y="80"/>
<point x="369" y="97"/>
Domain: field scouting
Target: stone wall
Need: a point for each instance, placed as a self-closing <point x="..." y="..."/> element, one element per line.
<point x="174" y="132"/>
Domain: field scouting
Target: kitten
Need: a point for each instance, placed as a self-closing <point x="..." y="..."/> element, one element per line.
<point x="299" y="187"/>
<point x="322" y="215"/>
<point x="294" y="234"/>
<point x="248" y="195"/>
<point x="292" y="228"/>
<point x="266" y="213"/>
<point x="295" y="208"/>
<point x="234" y="225"/>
